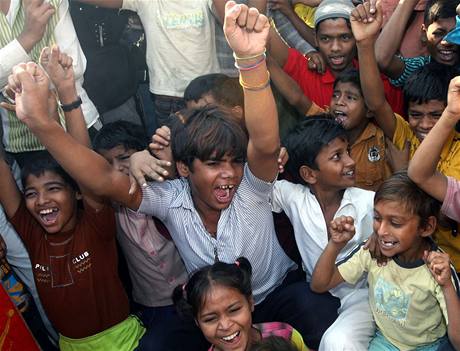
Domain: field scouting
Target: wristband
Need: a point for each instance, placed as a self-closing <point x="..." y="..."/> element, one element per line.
<point x="72" y="106"/>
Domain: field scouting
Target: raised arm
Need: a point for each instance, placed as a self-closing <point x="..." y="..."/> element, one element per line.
<point x="390" y="39"/>
<point x="326" y="275"/>
<point x="365" y="33"/>
<point x="219" y="7"/>
<point x="10" y="196"/>
<point x="246" y="31"/>
<point x="88" y="168"/>
<point x="422" y="167"/>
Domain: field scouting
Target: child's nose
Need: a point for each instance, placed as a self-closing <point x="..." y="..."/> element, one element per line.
<point x="227" y="170"/>
<point x="224" y="323"/>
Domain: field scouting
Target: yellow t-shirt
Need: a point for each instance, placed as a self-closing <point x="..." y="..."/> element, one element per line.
<point x="407" y="303"/>
<point x="449" y="165"/>
<point x="306" y="13"/>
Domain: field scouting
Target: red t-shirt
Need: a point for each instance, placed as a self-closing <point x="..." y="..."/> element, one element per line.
<point x="76" y="271"/>
<point x="319" y="87"/>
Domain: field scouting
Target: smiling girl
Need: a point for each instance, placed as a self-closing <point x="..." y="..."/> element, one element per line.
<point x="220" y="299"/>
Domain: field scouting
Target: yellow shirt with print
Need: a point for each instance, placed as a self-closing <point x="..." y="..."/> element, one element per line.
<point x="449" y="165"/>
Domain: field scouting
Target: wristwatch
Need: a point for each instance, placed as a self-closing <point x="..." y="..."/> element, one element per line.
<point x="72" y="105"/>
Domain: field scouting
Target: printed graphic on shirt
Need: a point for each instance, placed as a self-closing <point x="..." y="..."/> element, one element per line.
<point x="184" y="20"/>
<point x="391" y="301"/>
<point x="373" y="154"/>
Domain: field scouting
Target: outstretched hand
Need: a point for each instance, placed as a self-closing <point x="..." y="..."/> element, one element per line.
<point x="31" y="87"/>
<point x="58" y="66"/>
<point x="246" y="29"/>
<point x="341" y="230"/>
<point x="142" y="165"/>
<point x="364" y="24"/>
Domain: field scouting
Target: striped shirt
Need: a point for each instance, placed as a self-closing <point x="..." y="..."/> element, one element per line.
<point x="411" y="64"/>
<point x="245" y="228"/>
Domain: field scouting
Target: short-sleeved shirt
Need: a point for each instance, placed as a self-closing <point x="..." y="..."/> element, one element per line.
<point x="449" y="165"/>
<point x="412" y="64"/>
<point x="245" y="228"/>
<point x="407" y="303"/>
<point x="310" y="228"/>
<point x="76" y="271"/>
<point x="319" y="87"/>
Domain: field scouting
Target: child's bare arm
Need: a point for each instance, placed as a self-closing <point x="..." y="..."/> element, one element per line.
<point x="390" y="39"/>
<point x="288" y="87"/>
<point x="439" y="265"/>
<point x="89" y="169"/>
<point x="10" y="196"/>
<point x="326" y="275"/>
<point x="422" y="167"/>
<point x="246" y="31"/>
<point x="365" y="33"/>
<point x="59" y="68"/>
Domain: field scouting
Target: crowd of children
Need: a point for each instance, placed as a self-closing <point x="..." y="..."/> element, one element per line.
<point x="225" y="230"/>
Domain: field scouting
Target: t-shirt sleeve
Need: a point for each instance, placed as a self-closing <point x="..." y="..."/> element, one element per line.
<point x="353" y="266"/>
<point x="402" y="132"/>
<point x="278" y="196"/>
<point x="24" y="224"/>
<point x="157" y="197"/>
<point x="297" y="340"/>
<point x="130" y="5"/>
<point x="411" y="64"/>
<point x="451" y="204"/>
<point x="259" y="187"/>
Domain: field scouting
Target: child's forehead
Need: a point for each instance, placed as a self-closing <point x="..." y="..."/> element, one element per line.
<point x="333" y="27"/>
<point x="347" y="86"/>
<point x="395" y="207"/>
<point x="430" y="105"/>
<point x="46" y="176"/>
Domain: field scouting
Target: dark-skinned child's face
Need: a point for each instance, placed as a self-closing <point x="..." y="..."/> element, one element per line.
<point x="348" y="106"/>
<point x="423" y="117"/>
<point x="213" y="182"/>
<point x="336" y="43"/>
<point x="399" y="230"/>
<point x="440" y="50"/>
<point x="51" y="201"/>
<point x="336" y="169"/>
<point x="118" y="157"/>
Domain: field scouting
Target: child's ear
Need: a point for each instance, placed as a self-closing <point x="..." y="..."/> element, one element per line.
<point x="182" y="169"/>
<point x="423" y="37"/>
<point x="308" y="174"/>
<point x="238" y="112"/>
<point x="429" y="227"/>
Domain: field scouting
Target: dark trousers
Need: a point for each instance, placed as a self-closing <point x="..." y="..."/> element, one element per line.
<point x="164" y="106"/>
<point x="294" y="303"/>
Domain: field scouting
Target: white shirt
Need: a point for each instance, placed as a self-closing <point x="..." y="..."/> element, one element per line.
<point x="310" y="229"/>
<point x="180" y="42"/>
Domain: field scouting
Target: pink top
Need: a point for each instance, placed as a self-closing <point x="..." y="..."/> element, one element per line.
<point x="451" y="204"/>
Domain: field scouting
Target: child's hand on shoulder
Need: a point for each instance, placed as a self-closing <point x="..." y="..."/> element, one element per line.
<point x="439" y="266"/>
<point x="160" y="145"/>
<point x="143" y="165"/>
<point x="341" y="230"/>
<point x="364" y="24"/>
<point x="246" y="29"/>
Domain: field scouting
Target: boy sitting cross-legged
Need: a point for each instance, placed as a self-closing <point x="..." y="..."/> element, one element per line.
<point x="219" y="209"/>
<point x="413" y="298"/>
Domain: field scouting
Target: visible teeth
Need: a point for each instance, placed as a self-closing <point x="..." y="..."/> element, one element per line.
<point x="225" y="187"/>
<point x="231" y="337"/>
<point x="350" y="173"/>
<point x="47" y="211"/>
<point x="388" y="244"/>
<point x="339" y="113"/>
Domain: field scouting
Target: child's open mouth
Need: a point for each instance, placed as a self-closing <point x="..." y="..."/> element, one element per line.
<point x="337" y="60"/>
<point x="232" y="338"/>
<point x="340" y="116"/>
<point x="224" y="193"/>
<point x="49" y="215"/>
<point x="387" y="244"/>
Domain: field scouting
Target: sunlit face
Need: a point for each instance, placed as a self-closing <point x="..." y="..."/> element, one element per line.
<point x="423" y="117"/>
<point x="336" y="43"/>
<point x="213" y="182"/>
<point x="440" y="50"/>
<point x="348" y="106"/>
<point x="225" y="319"/>
<point x="206" y="99"/>
<point x="399" y="231"/>
<point x="336" y="167"/>
<point x="118" y="157"/>
<point x="51" y="201"/>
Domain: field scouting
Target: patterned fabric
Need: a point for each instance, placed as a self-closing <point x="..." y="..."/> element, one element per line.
<point x="411" y="65"/>
<point x="245" y="228"/>
<point x="20" y="138"/>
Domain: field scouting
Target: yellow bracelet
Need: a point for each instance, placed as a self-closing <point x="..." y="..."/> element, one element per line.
<point x="249" y="57"/>
<point x="262" y="86"/>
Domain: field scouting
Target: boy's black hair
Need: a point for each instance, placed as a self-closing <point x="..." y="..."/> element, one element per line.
<point x="307" y="139"/>
<point x="208" y="133"/>
<point x="400" y="188"/>
<point x="124" y="133"/>
<point x="190" y="298"/>
<point x="350" y="75"/>
<point x="439" y="9"/>
<point x="44" y="162"/>
<point x="430" y="82"/>
<point x="273" y="343"/>
<point x="201" y="86"/>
